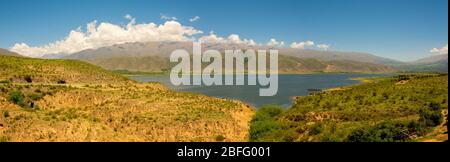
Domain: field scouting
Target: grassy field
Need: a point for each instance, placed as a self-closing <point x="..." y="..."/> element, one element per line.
<point x="402" y="108"/>
<point x="60" y="100"/>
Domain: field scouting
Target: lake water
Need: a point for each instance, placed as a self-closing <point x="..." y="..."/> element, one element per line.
<point x="290" y="85"/>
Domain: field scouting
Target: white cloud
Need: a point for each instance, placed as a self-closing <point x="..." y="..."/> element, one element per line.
<point x="440" y="51"/>
<point x="233" y="39"/>
<point x="274" y="43"/>
<point x="212" y="38"/>
<point x="301" y="45"/>
<point x="195" y="18"/>
<point x="323" y="46"/>
<point x="166" y="17"/>
<point x="107" y="34"/>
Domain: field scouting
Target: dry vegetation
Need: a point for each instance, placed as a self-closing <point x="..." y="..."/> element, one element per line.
<point x="107" y="107"/>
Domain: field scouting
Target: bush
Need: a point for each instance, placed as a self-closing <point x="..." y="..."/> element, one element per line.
<point x="259" y="129"/>
<point x="316" y="129"/>
<point x="434" y="106"/>
<point x="431" y="115"/>
<point x="220" y="138"/>
<point x="28" y="79"/>
<point x="5" y="82"/>
<point x="264" y="122"/>
<point x="16" y="97"/>
<point x="431" y="118"/>
<point x="270" y="111"/>
<point x="61" y="81"/>
<point x="6" y="114"/>
<point x="383" y="132"/>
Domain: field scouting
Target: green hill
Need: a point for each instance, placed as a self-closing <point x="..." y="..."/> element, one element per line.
<point x="20" y="69"/>
<point x="403" y="108"/>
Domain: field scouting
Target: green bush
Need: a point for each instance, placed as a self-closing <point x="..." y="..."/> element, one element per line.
<point x="316" y="129"/>
<point x="431" y="118"/>
<point x="16" y="97"/>
<point x="259" y="129"/>
<point x="264" y="122"/>
<point x="268" y="111"/>
<point x="5" y="82"/>
<point x="383" y="132"/>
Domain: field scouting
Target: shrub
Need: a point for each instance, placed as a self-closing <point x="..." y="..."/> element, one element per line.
<point x="5" y="82"/>
<point x="431" y="115"/>
<point x="434" y="106"/>
<point x="264" y="122"/>
<point x="271" y="110"/>
<point x="6" y="114"/>
<point x="28" y="79"/>
<point x="17" y="98"/>
<point x="259" y="129"/>
<point x="61" y="81"/>
<point x="431" y="118"/>
<point x="288" y="136"/>
<point x="383" y="132"/>
<point x="220" y="138"/>
<point x="316" y="129"/>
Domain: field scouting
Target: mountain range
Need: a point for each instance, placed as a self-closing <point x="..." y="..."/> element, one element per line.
<point x="154" y="57"/>
<point x="433" y="63"/>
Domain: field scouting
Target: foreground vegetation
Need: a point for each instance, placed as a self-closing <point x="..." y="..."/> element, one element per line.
<point x="401" y="108"/>
<point x="60" y="100"/>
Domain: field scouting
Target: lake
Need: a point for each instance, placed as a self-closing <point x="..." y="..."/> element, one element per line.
<point x="289" y="86"/>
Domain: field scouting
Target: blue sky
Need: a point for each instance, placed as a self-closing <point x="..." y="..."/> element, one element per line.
<point x="400" y="29"/>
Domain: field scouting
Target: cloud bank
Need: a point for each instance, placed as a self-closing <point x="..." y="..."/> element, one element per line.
<point x="440" y="51"/>
<point x="107" y="34"/>
<point x="274" y="43"/>
<point x="232" y="39"/>
<point x="104" y="34"/>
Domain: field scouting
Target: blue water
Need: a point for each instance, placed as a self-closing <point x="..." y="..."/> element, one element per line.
<point x="290" y="85"/>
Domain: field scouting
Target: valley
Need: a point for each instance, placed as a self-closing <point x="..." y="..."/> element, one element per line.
<point x="71" y="100"/>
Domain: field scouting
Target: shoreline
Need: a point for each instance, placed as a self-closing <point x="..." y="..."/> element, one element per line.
<point x="308" y="73"/>
<point x="360" y="79"/>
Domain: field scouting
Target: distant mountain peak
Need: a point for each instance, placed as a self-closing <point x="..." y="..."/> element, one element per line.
<point x="9" y="53"/>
